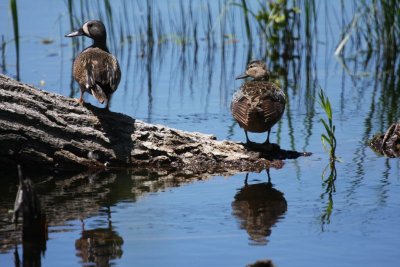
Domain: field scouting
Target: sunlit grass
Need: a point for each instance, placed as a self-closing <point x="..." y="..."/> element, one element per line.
<point x="328" y="138"/>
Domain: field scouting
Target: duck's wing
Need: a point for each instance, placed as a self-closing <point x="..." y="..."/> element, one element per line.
<point x="272" y="103"/>
<point x="114" y="73"/>
<point x="240" y="108"/>
<point x="92" y="85"/>
<point x="107" y="73"/>
<point x="271" y="110"/>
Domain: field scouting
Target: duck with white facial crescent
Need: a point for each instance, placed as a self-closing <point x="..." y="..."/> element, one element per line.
<point x="95" y="69"/>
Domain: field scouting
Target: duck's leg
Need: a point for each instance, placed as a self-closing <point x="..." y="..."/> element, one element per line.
<point x="267" y="141"/>
<point x="80" y="99"/>
<point x="269" y="145"/>
<point x="245" y="180"/>
<point x="269" y="177"/>
<point x="247" y="138"/>
<point x="108" y="100"/>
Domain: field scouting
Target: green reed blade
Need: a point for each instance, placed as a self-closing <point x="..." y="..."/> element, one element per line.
<point x="14" y="13"/>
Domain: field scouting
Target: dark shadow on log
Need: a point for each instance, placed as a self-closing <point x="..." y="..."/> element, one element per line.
<point x="274" y="152"/>
<point x="118" y="128"/>
<point x="258" y="207"/>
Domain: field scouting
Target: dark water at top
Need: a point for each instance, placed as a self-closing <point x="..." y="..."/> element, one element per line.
<point x="297" y="220"/>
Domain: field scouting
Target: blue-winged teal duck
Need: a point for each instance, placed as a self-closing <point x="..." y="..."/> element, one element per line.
<point x="95" y="69"/>
<point x="258" y="104"/>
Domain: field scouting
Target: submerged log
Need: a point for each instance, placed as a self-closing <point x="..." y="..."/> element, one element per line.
<point x="387" y="144"/>
<point x="43" y="130"/>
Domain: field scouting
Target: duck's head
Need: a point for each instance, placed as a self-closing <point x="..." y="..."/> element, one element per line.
<point x="257" y="70"/>
<point x="94" y="29"/>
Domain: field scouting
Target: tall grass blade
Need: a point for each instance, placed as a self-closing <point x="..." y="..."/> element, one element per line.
<point x="246" y="22"/>
<point x="14" y="14"/>
<point x="3" y="54"/>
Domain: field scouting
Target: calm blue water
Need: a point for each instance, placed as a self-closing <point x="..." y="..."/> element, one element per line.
<point x="142" y="221"/>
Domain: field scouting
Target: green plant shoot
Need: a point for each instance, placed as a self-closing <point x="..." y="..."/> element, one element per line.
<point x="328" y="138"/>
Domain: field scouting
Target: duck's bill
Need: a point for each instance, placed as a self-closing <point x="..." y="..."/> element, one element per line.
<point x="75" y="33"/>
<point x="242" y="76"/>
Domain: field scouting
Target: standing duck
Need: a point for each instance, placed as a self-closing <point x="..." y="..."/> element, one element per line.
<point x="258" y="104"/>
<point x="95" y="69"/>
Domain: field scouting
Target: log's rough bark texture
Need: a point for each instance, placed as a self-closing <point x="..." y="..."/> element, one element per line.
<point x="387" y="144"/>
<point x="44" y="130"/>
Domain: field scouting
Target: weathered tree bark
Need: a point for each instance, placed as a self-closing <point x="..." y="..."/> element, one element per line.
<point x="43" y="130"/>
<point x="387" y="144"/>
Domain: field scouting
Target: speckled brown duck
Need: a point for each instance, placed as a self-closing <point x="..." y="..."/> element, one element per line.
<point x="95" y="69"/>
<point x="258" y="104"/>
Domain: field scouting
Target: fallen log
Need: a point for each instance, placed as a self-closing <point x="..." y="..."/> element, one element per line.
<point x="387" y="144"/>
<point x="43" y="130"/>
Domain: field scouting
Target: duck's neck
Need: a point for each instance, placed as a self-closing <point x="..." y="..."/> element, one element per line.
<point x="263" y="78"/>
<point x="100" y="44"/>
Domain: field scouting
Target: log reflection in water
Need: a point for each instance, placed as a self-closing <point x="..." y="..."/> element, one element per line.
<point x="258" y="207"/>
<point x="78" y="197"/>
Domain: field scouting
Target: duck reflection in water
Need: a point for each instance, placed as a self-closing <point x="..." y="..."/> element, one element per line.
<point x="258" y="207"/>
<point x="100" y="245"/>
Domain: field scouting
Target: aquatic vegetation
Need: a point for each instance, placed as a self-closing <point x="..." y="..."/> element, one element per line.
<point x="3" y="54"/>
<point x="182" y="23"/>
<point x="327" y="138"/>
<point x="369" y="50"/>
<point x="246" y="21"/>
<point x="276" y="22"/>
<point x="275" y="17"/>
<point x="374" y="28"/>
<point x="14" y="14"/>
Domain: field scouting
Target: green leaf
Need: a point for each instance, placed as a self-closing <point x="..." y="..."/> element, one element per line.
<point x="325" y="125"/>
<point x="328" y="140"/>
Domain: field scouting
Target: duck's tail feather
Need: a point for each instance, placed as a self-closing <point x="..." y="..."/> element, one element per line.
<point x="98" y="93"/>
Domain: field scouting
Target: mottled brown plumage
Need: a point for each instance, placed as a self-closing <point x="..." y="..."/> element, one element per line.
<point x="258" y="104"/>
<point x="95" y="69"/>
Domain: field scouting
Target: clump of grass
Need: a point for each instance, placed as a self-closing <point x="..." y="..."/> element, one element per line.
<point x="374" y="27"/>
<point x="14" y="14"/>
<point x="276" y="22"/>
<point x="328" y="138"/>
